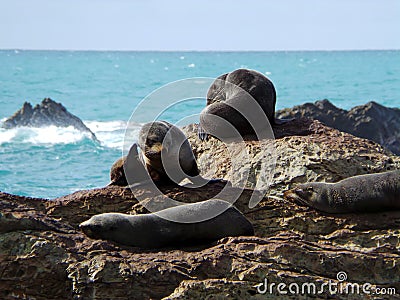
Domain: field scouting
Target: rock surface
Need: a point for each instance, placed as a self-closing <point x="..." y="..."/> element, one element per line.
<point x="47" y="113"/>
<point x="43" y="255"/>
<point x="371" y="121"/>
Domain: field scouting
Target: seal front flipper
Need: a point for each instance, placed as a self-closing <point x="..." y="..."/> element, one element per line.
<point x="128" y="169"/>
<point x="135" y="171"/>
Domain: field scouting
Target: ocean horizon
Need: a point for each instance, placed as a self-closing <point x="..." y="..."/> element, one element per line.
<point x="103" y="87"/>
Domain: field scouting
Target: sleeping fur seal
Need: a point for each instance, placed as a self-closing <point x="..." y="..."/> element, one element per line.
<point x="238" y="88"/>
<point x="155" y="230"/>
<point x="362" y="193"/>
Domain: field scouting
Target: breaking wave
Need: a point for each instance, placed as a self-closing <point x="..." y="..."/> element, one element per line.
<point x="110" y="134"/>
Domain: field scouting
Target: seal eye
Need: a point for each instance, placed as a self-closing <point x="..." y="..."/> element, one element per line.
<point x="310" y="189"/>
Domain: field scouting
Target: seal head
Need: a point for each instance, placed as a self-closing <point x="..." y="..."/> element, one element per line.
<point x="313" y="194"/>
<point x="361" y="193"/>
<point x="166" y="152"/>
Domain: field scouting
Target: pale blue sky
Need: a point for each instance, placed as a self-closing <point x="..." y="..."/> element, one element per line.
<point x="200" y="25"/>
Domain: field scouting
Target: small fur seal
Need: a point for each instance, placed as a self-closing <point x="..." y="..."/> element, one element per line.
<point x="362" y="193"/>
<point x="167" y="153"/>
<point x="156" y="231"/>
<point x="238" y="88"/>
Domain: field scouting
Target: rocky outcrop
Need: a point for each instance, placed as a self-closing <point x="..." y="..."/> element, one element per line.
<point x="371" y="121"/>
<point x="47" y="113"/>
<point x="43" y="254"/>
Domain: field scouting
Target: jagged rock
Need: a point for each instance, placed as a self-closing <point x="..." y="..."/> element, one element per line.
<point x="371" y="121"/>
<point x="47" y="113"/>
<point x="305" y="151"/>
<point x="292" y="244"/>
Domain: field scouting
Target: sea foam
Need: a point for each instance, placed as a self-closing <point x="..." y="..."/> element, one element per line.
<point x="42" y="135"/>
<point x="110" y="134"/>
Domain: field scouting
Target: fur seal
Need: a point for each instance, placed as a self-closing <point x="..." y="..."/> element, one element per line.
<point x="154" y="231"/>
<point x="166" y="152"/>
<point x="236" y="88"/>
<point x="166" y="157"/>
<point x="362" y="193"/>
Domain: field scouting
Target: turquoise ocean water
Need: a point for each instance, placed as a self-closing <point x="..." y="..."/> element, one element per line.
<point x="103" y="88"/>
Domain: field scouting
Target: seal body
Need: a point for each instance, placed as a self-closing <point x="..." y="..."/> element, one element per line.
<point x="362" y="193"/>
<point x="238" y="88"/>
<point x="155" y="230"/>
<point x="166" y="152"/>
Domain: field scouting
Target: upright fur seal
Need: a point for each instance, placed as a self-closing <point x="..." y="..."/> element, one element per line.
<point x="166" y="155"/>
<point x="362" y="193"/>
<point x="238" y="88"/>
<point x="166" y="152"/>
<point x="154" y="231"/>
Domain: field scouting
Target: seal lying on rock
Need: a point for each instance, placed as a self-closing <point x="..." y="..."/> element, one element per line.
<point x="238" y="89"/>
<point x="362" y="193"/>
<point x="155" y="230"/>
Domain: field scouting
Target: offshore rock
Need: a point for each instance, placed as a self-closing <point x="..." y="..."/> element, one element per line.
<point x="371" y="121"/>
<point x="47" y="113"/>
